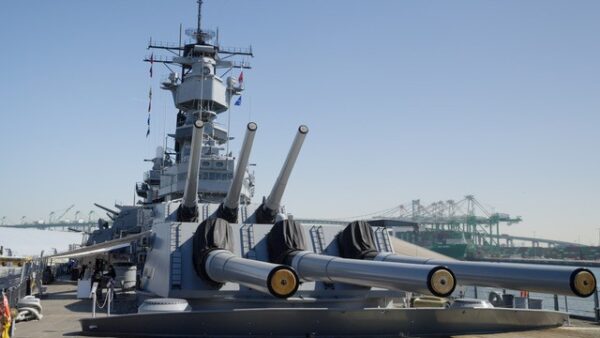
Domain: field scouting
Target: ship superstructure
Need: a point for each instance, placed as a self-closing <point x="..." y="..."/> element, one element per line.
<point x="199" y="93"/>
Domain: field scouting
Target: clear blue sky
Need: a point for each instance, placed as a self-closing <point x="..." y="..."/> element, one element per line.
<point x="404" y="99"/>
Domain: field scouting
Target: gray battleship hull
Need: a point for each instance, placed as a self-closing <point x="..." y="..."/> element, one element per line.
<point x="308" y="322"/>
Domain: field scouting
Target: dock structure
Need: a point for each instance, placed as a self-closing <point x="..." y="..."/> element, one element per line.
<point x="542" y="261"/>
<point x="56" y="220"/>
<point x="467" y="217"/>
<point x="466" y="229"/>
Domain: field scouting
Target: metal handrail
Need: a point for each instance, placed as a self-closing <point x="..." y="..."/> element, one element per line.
<point x="94" y="298"/>
<point x="107" y="300"/>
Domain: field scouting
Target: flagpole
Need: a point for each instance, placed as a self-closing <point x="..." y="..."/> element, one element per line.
<point x="228" y="123"/>
<point x="164" y="136"/>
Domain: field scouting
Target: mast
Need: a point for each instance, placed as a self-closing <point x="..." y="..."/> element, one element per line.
<point x="200" y="92"/>
<point x="199" y="27"/>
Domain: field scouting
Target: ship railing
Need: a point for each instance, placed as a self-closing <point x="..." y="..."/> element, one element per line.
<point x="236" y="50"/>
<point x="19" y="282"/>
<point x="94" y="298"/>
<point x="157" y="58"/>
<point x="579" y="308"/>
<point x="163" y="44"/>
<point x="152" y="175"/>
<point x="108" y="299"/>
<point x="241" y="64"/>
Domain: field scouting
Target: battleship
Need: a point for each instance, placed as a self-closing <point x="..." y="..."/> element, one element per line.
<point x="210" y="262"/>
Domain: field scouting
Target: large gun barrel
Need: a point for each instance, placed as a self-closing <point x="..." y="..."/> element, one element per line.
<point x="531" y="277"/>
<point x="286" y="244"/>
<point x="229" y="208"/>
<point x="188" y="210"/>
<point x="357" y="241"/>
<point x="435" y="280"/>
<point x="277" y="280"/>
<point x="215" y="263"/>
<point x="267" y="211"/>
<point x="115" y="213"/>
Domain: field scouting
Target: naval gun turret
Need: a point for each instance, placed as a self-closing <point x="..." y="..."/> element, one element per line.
<point x="287" y="245"/>
<point x="212" y="242"/>
<point x="215" y="262"/>
<point x="266" y="257"/>
<point x="213" y="258"/>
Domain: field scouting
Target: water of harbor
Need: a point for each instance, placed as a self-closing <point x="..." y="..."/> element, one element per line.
<point x="576" y="305"/>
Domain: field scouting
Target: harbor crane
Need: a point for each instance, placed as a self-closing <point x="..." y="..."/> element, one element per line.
<point x="60" y="217"/>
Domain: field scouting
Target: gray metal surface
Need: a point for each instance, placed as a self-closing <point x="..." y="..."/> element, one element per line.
<point x="323" y="322"/>
<point x="394" y="276"/>
<point x="190" y="194"/>
<point x="249" y="241"/>
<point x="530" y="277"/>
<point x="101" y="247"/>
<point x="232" y="199"/>
<point x="274" y="200"/>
